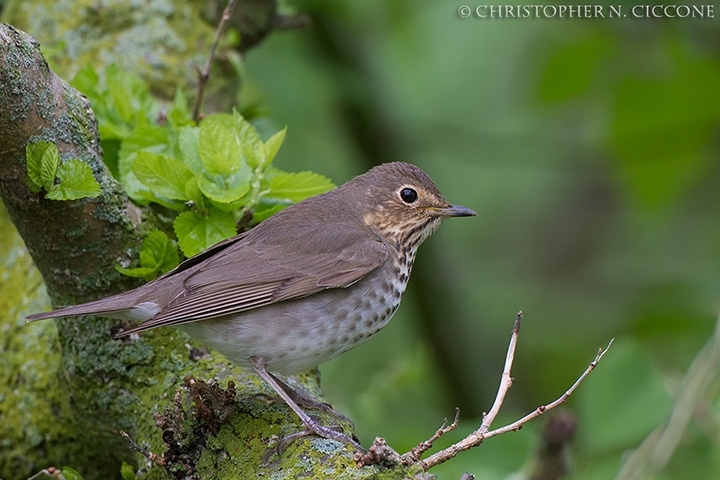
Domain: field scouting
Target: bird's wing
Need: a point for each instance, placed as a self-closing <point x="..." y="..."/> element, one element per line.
<point x="271" y="266"/>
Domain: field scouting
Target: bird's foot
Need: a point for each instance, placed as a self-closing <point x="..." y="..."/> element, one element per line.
<point x="304" y="399"/>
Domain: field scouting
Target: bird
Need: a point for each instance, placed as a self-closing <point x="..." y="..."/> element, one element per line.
<point x="307" y="284"/>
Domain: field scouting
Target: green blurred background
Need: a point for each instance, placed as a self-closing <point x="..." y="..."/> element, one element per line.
<point x="589" y="149"/>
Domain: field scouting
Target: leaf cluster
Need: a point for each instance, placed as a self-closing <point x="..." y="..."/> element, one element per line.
<point x="207" y="177"/>
<point x="69" y="180"/>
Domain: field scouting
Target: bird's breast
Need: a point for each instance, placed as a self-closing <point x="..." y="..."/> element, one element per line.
<point x="297" y="335"/>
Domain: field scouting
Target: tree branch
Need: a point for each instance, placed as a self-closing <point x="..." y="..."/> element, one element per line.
<point x="204" y="74"/>
<point x="483" y="433"/>
<point x="381" y="453"/>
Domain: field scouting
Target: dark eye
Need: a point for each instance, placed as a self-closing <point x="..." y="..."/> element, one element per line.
<point x="408" y="195"/>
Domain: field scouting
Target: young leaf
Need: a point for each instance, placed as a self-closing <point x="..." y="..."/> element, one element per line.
<point x="272" y="146"/>
<point x="219" y="146"/>
<point x="226" y="189"/>
<point x="127" y="472"/>
<point x="156" y="249"/>
<point x="295" y="187"/>
<point x="159" y="252"/>
<point x="266" y="211"/>
<point x="76" y="181"/>
<point x="129" y="93"/>
<point x="252" y="146"/>
<point x="188" y="144"/>
<point x="70" y="474"/>
<point x="86" y="80"/>
<point x="179" y="114"/>
<point x="197" y="233"/>
<point x="158" y="255"/>
<point x="148" y="273"/>
<point x="163" y="175"/>
<point x="42" y="163"/>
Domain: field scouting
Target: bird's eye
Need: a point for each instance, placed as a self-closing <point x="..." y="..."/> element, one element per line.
<point x="408" y="195"/>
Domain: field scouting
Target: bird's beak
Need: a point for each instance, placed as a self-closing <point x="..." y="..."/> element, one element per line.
<point x="453" y="211"/>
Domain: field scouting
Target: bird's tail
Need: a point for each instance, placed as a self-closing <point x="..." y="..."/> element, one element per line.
<point x="118" y="306"/>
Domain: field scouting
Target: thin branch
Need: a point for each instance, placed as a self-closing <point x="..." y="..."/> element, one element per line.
<point x="414" y="455"/>
<point x="505" y="380"/>
<point x="479" y="435"/>
<point x="156" y="459"/>
<point x="204" y="74"/>
<point x="50" y="472"/>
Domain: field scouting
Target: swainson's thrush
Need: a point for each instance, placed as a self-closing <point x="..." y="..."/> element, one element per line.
<point x="304" y="286"/>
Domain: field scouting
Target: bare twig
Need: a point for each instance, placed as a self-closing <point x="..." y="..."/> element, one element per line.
<point x="383" y="454"/>
<point x="482" y="433"/>
<point x="50" y="472"/>
<point x="505" y="380"/>
<point x="204" y="74"/>
<point x="414" y="455"/>
<point x="156" y="459"/>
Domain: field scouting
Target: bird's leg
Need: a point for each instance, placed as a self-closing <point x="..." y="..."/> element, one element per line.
<point x="311" y="424"/>
<point x="304" y="399"/>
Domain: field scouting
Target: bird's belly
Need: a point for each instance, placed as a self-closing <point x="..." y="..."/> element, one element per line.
<point x="300" y="334"/>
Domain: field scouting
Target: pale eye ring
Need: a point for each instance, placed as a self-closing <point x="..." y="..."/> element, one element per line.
<point x="408" y="195"/>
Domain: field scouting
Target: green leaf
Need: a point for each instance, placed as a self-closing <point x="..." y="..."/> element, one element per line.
<point x="188" y="143"/>
<point x="272" y="146"/>
<point x="158" y="251"/>
<point x="147" y="273"/>
<point x="225" y="189"/>
<point x="70" y="474"/>
<point x="171" y="259"/>
<point x="266" y="211"/>
<point x="86" y="80"/>
<point x="158" y="255"/>
<point x="252" y="146"/>
<point x="144" y="137"/>
<point x="127" y="472"/>
<point x="163" y="175"/>
<point x="120" y="103"/>
<point x="179" y="114"/>
<point x="32" y="185"/>
<point x="295" y="187"/>
<point x="42" y="159"/>
<point x="192" y="191"/>
<point x="129" y="93"/>
<point x="197" y="233"/>
<point x="76" y="181"/>
<point x="219" y="146"/>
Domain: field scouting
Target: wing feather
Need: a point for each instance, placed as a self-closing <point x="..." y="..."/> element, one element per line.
<point x="271" y="264"/>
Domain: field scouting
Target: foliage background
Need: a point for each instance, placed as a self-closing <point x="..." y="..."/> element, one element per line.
<point x="589" y="149"/>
